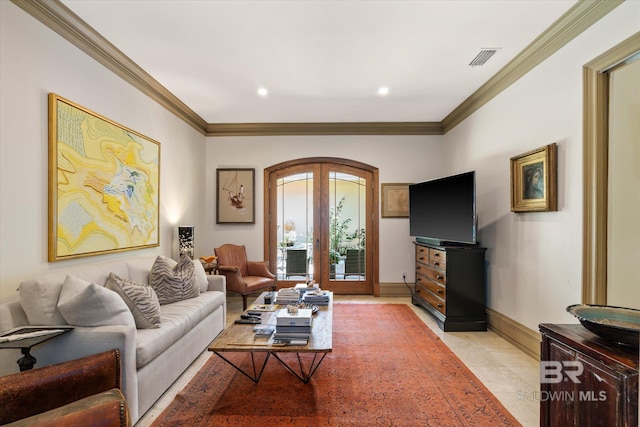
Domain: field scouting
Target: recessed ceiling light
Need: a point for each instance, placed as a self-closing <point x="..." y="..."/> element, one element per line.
<point x="383" y="90"/>
<point x="263" y="92"/>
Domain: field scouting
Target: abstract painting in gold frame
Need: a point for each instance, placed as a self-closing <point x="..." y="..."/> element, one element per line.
<point x="534" y="180"/>
<point x="104" y="184"/>
<point x="395" y="200"/>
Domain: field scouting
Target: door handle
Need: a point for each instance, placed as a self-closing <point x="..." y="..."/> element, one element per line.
<point x="317" y="244"/>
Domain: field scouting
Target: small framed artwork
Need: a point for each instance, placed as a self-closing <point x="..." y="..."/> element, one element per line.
<point x="395" y="200"/>
<point x="534" y="180"/>
<point x="235" y="196"/>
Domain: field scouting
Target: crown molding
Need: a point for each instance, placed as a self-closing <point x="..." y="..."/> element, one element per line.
<point x="63" y="21"/>
<point x="573" y="22"/>
<point x="346" y="128"/>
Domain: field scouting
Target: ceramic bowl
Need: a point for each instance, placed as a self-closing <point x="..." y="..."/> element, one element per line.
<point x="617" y="324"/>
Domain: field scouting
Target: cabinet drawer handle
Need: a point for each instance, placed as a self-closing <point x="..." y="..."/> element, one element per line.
<point x="439" y="277"/>
<point x="439" y="305"/>
<point x="421" y="258"/>
<point x="439" y="291"/>
<point x="436" y="255"/>
<point x="436" y="263"/>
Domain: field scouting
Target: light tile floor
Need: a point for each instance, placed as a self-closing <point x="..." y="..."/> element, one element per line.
<point x="511" y="375"/>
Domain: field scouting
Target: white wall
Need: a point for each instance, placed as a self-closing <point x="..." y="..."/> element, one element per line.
<point x="535" y="259"/>
<point x="35" y="61"/>
<point x="398" y="158"/>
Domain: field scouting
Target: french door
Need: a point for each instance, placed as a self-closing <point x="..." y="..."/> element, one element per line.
<point x="320" y="224"/>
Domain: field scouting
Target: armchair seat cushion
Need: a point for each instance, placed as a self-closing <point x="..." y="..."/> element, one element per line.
<point x="255" y="283"/>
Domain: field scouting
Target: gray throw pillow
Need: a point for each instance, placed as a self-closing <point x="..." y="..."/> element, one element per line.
<point x="83" y="303"/>
<point x="201" y="276"/>
<point x="173" y="284"/>
<point x="141" y="300"/>
<point x="39" y="300"/>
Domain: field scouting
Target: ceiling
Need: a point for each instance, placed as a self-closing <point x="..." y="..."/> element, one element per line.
<point x="321" y="61"/>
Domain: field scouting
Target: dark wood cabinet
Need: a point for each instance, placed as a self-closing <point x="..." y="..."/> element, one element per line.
<point x="586" y="380"/>
<point x="450" y="284"/>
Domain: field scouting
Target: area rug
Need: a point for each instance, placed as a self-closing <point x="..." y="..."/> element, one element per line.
<point x="387" y="368"/>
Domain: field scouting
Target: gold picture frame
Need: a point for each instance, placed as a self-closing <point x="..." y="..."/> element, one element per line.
<point x="104" y="184"/>
<point x="395" y="200"/>
<point x="235" y="196"/>
<point x="534" y="180"/>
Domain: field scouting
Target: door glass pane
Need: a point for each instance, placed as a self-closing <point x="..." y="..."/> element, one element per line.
<point x="347" y="209"/>
<point x="295" y="227"/>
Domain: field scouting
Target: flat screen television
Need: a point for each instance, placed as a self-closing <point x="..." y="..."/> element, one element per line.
<point x="442" y="211"/>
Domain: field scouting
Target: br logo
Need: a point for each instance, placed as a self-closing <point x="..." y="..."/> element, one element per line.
<point x="554" y="372"/>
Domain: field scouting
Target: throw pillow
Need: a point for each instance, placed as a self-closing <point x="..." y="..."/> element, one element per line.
<point x="141" y="300"/>
<point x="40" y="302"/>
<point x="201" y="276"/>
<point x="173" y="284"/>
<point x="87" y="304"/>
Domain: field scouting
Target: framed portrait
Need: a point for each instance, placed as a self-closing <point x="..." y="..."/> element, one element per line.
<point x="235" y="196"/>
<point x="104" y="184"/>
<point x="534" y="180"/>
<point x="395" y="200"/>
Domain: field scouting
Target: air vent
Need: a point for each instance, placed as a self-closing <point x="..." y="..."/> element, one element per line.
<point x="483" y="56"/>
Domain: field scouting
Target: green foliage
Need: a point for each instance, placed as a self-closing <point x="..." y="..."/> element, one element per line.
<point x="338" y="228"/>
<point x="339" y="236"/>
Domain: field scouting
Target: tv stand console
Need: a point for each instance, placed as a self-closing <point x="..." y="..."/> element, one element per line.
<point x="450" y="284"/>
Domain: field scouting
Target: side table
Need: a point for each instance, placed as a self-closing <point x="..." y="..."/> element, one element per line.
<point x="27" y="337"/>
<point x="210" y="264"/>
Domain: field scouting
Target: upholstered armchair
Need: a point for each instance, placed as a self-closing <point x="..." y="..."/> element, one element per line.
<point x="85" y="391"/>
<point x="243" y="277"/>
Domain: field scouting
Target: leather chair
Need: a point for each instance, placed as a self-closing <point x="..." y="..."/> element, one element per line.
<point x="243" y="277"/>
<point x="85" y="391"/>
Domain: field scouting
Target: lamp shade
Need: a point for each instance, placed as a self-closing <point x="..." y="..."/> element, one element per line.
<point x="186" y="240"/>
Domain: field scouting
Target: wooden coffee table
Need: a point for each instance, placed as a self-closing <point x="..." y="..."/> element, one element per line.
<point x="238" y="338"/>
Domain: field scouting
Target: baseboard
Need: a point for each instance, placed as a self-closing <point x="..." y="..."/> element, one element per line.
<point x="517" y="334"/>
<point x="392" y="290"/>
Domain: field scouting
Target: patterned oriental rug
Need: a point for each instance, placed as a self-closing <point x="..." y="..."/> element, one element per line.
<point x="387" y="368"/>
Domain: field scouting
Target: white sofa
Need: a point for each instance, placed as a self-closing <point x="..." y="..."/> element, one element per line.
<point x="152" y="358"/>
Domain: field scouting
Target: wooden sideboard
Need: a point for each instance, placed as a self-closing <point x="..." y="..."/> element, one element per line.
<point x="586" y="380"/>
<point x="450" y="284"/>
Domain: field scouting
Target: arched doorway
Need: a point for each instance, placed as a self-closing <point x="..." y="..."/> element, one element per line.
<point x="321" y="223"/>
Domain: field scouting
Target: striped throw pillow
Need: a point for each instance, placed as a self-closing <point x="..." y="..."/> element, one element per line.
<point x="141" y="300"/>
<point x="173" y="284"/>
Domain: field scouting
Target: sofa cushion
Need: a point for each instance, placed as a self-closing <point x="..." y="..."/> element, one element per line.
<point x="86" y="304"/>
<point x="174" y="283"/>
<point x="39" y="300"/>
<point x="139" y="269"/>
<point x="177" y="319"/>
<point x="141" y="300"/>
<point x="201" y="275"/>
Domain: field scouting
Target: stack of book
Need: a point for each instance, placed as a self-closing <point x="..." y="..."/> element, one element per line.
<point x="295" y="326"/>
<point x="287" y="296"/>
<point x="305" y="287"/>
<point x="263" y="331"/>
<point x="318" y="297"/>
